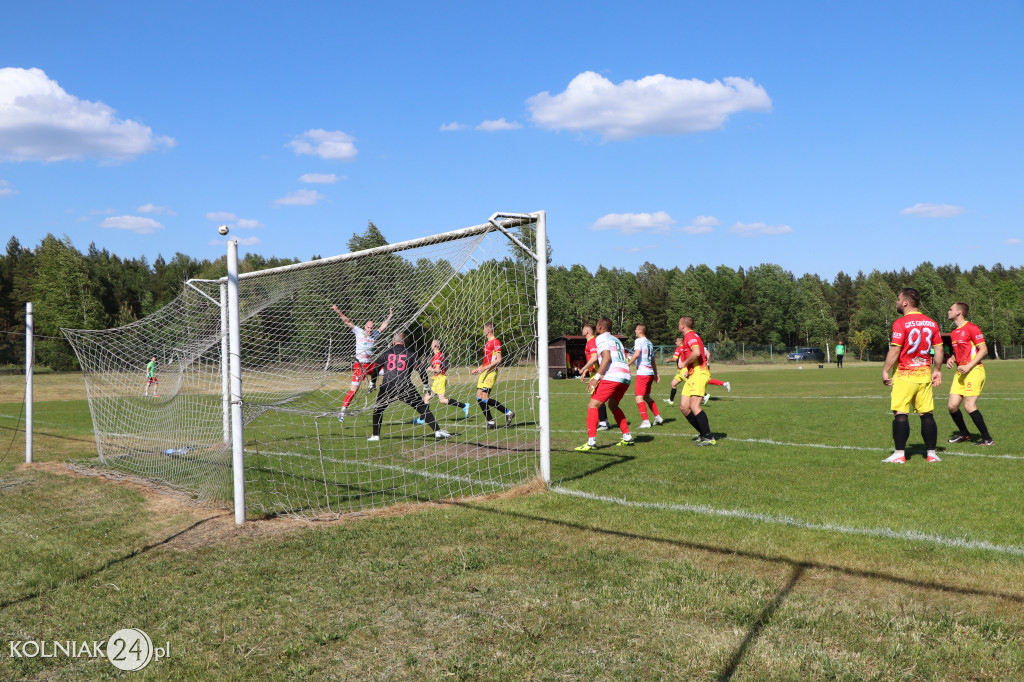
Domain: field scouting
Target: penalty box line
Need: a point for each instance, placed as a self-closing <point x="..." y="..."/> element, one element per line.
<point x="889" y="533"/>
<point x="820" y="446"/>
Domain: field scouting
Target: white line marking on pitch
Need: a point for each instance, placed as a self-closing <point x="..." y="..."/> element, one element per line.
<point x="820" y="446"/>
<point x="912" y="535"/>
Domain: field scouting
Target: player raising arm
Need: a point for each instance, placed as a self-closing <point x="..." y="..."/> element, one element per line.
<point x="396" y="365"/>
<point x="362" y="367"/>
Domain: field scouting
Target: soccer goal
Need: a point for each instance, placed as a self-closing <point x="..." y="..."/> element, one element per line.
<point x="249" y="415"/>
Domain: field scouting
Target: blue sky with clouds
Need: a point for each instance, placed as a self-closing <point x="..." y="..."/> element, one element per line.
<point x="820" y="136"/>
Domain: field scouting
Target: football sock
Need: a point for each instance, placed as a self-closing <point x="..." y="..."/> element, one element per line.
<point x="592" y="422"/>
<point x="979" y="421"/>
<point x="620" y="419"/>
<point x="958" y="419"/>
<point x="702" y="424"/>
<point x="692" y="418"/>
<point x="716" y="382"/>
<point x="456" y="403"/>
<point x="494" y="403"/>
<point x="643" y="410"/>
<point x="654" y="407"/>
<point x="929" y="431"/>
<point x="602" y="413"/>
<point x="672" y="394"/>
<point x="900" y="431"/>
<point x="378" y="420"/>
<point x="485" y="408"/>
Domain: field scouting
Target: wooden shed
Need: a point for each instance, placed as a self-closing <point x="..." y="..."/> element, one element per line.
<point x="567" y="354"/>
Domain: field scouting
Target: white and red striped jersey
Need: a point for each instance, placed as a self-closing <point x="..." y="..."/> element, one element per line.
<point x="618" y="371"/>
<point x="365" y="343"/>
<point x="644" y="361"/>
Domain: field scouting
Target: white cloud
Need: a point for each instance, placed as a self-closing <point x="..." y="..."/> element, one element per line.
<point x="5" y="189"/>
<point x="301" y="197"/>
<point x="635" y="223"/>
<point x="132" y="223"/>
<point x="1013" y="241"/>
<point x="319" y="178"/>
<point x="759" y="229"/>
<point x="221" y="216"/>
<point x="454" y="125"/>
<point x="244" y="241"/>
<point x="150" y="208"/>
<point x="40" y="121"/>
<point x="653" y="105"/>
<point x="249" y="224"/>
<point x="933" y="210"/>
<point x="327" y="144"/>
<point x="499" y="125"/>
<point x="702" y="224"/>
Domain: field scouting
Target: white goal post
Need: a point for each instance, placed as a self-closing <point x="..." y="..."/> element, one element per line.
<point x="261" y="400"/>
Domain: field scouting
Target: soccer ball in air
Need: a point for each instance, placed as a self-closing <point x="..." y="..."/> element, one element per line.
<point x="223" y="229"/>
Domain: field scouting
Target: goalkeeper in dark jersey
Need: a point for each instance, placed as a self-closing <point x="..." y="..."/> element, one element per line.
<point x="395" y="366"/>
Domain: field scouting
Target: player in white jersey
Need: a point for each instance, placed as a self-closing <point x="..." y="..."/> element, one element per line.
<point x="646" y="376"/>
<point x="366" y="338"/>
<point x="609" y="385"/>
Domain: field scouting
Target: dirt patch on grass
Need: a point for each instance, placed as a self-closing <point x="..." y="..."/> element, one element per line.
<point x="207" y="526"/>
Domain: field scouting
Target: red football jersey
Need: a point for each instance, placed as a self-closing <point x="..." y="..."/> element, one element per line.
<point x="965" y="342"/>
<point x="689" y="341"/>
<point x="915" y="334"/>
<point x="591" y="349"/>
<point x="490" y="348"/>
<point x="439" y="363"/>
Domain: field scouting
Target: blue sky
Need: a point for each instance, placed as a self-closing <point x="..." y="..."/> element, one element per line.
<point x="819" y="136"/>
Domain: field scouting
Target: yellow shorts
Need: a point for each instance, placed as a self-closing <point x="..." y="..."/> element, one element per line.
<point x="680" y="376"/>
<point x="487" y="380"/>
<point x="970" y="383"/>
<point x="697" y="382"/>
<point x="439" y="385"/>
<point x="906" y="393"/>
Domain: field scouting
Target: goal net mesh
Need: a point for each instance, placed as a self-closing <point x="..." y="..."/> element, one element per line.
<point x="297" y="358"/>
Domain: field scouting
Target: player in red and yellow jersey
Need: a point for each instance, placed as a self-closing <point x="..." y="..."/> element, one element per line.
<point x="914" y="336"/>
<point x="679" y="359"/>
<point x="696" y="363"/>
<point x="488" y="371"/>
<point x="439" y="384"/>
<point x="969" y="349"/>
<point x="593" y="361"/>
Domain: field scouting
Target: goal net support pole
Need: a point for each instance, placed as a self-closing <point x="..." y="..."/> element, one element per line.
<point x="29" y="361"/>
<point x="235" y="359"/>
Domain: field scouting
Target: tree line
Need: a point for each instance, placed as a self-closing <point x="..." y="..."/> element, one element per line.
<point x="763" y="304"/>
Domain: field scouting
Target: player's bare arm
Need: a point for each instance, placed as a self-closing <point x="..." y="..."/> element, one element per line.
<point x="890" y="360"/>
<point x="384" y="324"/>
<point x="937" y="367"/>
<point x="975" y="361"/>
<point x="606" y="362"/>
<point x="344" y="319"/>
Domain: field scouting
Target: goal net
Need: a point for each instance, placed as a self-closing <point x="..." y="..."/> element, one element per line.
<point x="299" y="367"/>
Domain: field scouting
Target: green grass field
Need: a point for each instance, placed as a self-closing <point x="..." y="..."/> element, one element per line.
<point x="788" y="551"/>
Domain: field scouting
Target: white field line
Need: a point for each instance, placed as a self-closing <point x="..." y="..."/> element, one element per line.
<point x="391" y="467"/>
<point x="875" y="396"/>
<point x="911" y="535"/>
<point x="821" y="446"/>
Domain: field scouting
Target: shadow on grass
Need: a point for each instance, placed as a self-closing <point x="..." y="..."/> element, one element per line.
<point x="112" y="562"/>
<point x="798" y="570"/>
